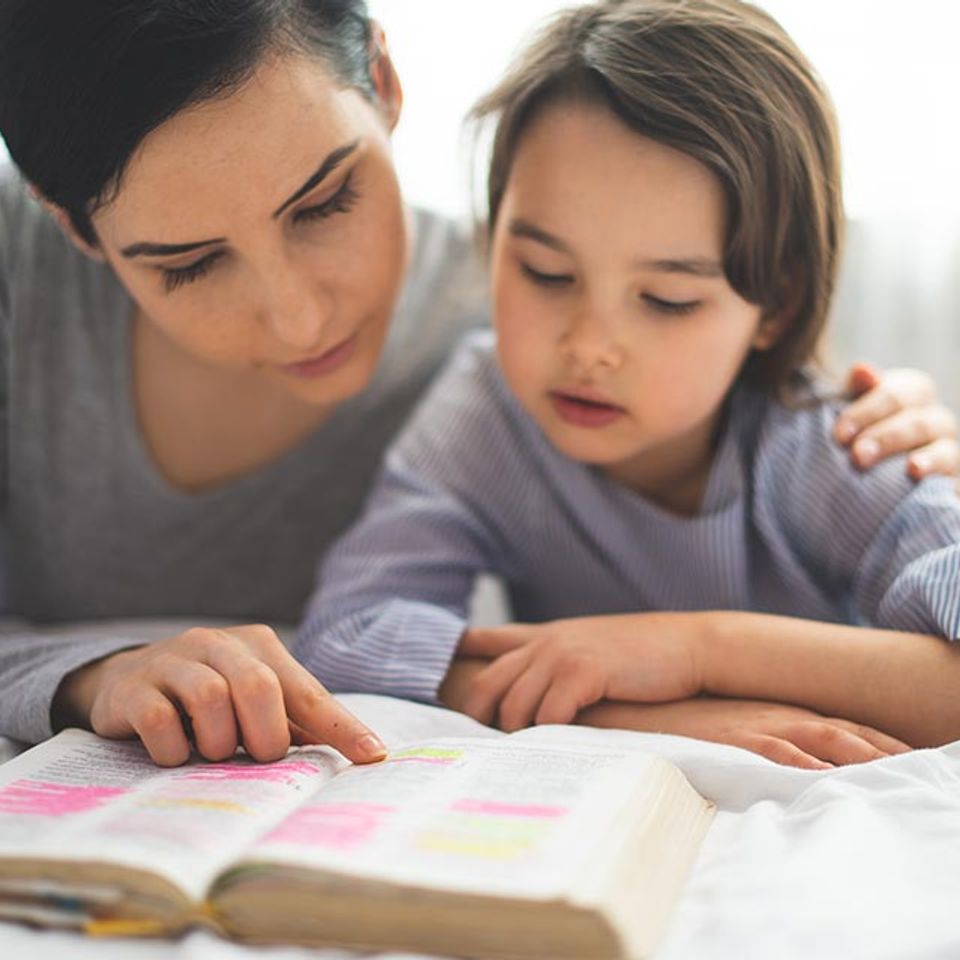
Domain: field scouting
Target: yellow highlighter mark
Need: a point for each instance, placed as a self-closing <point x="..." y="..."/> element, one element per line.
<point x="434" y="755"/>
<point x="489" y="839"/>
<point x="196" y="803"/>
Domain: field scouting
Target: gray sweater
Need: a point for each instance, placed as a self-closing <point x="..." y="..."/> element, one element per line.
<point x="90" y="530"/>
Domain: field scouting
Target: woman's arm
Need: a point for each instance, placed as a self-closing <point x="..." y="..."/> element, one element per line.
<point x="785" y="734"/>
<point x="34" y="662"/>
<point x="218" y="687"/>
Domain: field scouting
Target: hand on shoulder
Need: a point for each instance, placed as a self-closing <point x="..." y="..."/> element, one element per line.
<point x="897" y="412"/>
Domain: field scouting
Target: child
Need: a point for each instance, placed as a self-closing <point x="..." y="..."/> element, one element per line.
<point x="643" y="456"/>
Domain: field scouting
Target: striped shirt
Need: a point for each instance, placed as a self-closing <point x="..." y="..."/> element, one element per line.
<point x="472" y="486"/>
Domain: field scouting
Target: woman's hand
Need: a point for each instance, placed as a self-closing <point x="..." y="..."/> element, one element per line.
<point x="223" y="687"/>
<point x="789" y="735"/>
<point x="547" y="673"/>
<point x="897" y="412"/>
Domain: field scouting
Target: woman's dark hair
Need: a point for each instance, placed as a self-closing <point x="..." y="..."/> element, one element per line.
<point x="83" y="82"/>
<point x="722" y="82"/>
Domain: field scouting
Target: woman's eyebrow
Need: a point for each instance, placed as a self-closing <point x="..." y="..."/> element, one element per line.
<point x="333" y="160"/>
<point x="323" y="171"/>
<point x="166" y="249"/>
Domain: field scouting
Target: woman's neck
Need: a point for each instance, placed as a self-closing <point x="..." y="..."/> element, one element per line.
<point x="205" y="427"/>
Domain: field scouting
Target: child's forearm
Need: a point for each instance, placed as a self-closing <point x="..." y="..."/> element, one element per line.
<point x="906" y="684"/>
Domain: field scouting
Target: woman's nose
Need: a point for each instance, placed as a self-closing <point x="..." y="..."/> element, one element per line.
<point x="297" y="314"/>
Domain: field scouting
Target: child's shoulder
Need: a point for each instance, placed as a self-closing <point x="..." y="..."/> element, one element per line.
<point x="803" y="420"/>
<point x="468" y="414"/>
<point x="471" y="377"/>
<point x="791" y="448"/>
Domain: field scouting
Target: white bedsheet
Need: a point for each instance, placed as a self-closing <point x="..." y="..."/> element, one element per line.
<point x="858" y="862"/>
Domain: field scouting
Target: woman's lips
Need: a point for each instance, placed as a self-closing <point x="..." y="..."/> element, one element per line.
<point x="582" y="411"/>
<point x="325" y="364"/>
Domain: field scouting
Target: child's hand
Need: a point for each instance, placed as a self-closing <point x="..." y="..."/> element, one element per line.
<point x="790" y="735"/>
<point x="547" y="673"/>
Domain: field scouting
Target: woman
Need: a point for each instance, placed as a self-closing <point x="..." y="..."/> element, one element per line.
<point x="203" y="363"/>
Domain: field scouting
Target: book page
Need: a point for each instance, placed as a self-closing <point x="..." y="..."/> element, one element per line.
<point x="400" y="722"/>
<point x="475" y="815"/>
<point x="78" y="797"/>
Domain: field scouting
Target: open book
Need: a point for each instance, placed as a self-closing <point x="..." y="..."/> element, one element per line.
<point x="552" y="842"/>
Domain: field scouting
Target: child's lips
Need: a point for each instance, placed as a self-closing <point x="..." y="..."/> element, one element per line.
<point x="585" y="408"/>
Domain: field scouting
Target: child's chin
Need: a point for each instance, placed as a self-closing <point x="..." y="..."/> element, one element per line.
<point x="589" y="448"/>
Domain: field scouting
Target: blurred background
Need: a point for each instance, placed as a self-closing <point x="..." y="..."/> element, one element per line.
<point x="894" y="74"/>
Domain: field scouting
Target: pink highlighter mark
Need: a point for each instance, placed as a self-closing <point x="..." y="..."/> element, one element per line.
<point x="337" y="826"/>
<point x="495" y="809"/>
<point x="40" y="799"/>
<point x="285" y="771"/>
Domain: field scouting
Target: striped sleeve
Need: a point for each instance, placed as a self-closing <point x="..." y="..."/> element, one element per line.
<point x="393" y="594"/>
<point x="891" y="545"/>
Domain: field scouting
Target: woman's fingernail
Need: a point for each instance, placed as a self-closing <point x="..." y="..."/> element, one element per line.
<point x="372" y="747"/>
<point x="867" y="451"/>
<point x="920" y="463"/>
<point x="845" y="431"/>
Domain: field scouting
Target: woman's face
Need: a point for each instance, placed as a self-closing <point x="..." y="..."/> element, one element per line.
<point x="264" y="233"/>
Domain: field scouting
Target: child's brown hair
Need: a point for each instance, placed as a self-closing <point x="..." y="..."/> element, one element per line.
<point x="722" y="82"/>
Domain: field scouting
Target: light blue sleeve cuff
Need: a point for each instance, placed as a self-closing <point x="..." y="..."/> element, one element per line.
<point x="402" y="649"/>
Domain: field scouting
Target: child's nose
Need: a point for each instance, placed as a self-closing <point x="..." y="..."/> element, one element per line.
<point x="590" y="342"/>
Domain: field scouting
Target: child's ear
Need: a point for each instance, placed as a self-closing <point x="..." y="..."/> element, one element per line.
<point x="774" y="325"/>
<point x="769" y="331"/>
<point x="386" y="83"/>
<point x="66" y="225"/>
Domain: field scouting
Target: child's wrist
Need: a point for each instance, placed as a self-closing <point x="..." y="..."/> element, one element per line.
<point x="710" y="651"/>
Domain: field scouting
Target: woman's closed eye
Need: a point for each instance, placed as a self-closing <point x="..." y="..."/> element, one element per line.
<point x="341" y="202"/>
<point x="175" y="277"/>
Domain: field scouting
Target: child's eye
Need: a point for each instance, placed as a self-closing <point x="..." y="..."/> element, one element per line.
<point x="342" y="201"/>
<point x="546" y="279"/>
<point x="674" y="308"/>
<point x="175" y="277"/>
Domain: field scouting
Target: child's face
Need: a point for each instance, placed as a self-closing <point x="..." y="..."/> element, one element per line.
<point x="617" y="329"/>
